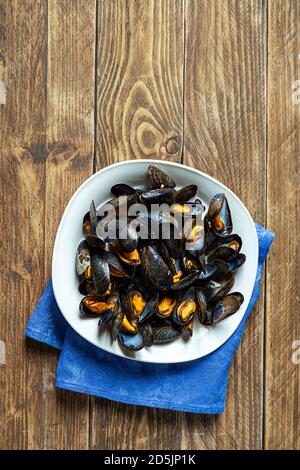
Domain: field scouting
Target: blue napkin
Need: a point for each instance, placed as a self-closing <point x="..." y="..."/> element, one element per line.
<point x="197" y="386"/>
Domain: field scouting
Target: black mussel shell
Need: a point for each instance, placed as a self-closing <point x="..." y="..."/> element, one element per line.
<point x="116" y="267"/>
<point x="187" y="329"/>
<point x="128" y="238"/>
<point x="158" y="178"/>
<point x="226" y="285"/>
<point x="165" y="334"/>
<point x="201" y="298"/>
<point x="222" y="252"/>
<point x="185" y="308"/>
<point x="92" y="306"/>
<point x="191" y="262"/>
<point x="93" y="217"/>
<point x="122" y="189"/>
<point x="86" y="287"/>
<point x="219" y="215"/>
<point x="117" y="323"/>
<point x="224" y="308"/>
<point x="149" y="309"/>
<point x="147" y="333"/>
<point x="215" y="206"/>
<point x="186" y="281"/>
<point x="236" y="262"/>
<point x="186" y="193"/>
<point x="131" y="342"/>
<point x="158" y="196"/>
<point x="100" y="272"/>
<point x="156" y="269"/>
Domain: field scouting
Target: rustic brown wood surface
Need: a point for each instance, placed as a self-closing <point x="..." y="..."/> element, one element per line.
<point x="88" y="83"/>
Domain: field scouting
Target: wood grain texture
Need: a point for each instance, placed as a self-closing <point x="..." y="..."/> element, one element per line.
<point x="70" y="146"/>
<point x="139" y="115"/>
<point x="47" y="136"/>
<point x="282" y="425"/>
<point x="225" y="137"/>
<point x="23" y="65"/>
<point x="140" y="80"/>
<point x="173" y="78"/>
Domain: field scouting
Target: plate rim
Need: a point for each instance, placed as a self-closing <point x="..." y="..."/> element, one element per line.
<point x="155" y="162"/>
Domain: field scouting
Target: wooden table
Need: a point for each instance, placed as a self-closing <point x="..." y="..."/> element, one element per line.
<point x="211" y="83"/>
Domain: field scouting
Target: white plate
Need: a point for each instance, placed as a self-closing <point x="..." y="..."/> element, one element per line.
<point x="65" y="282"/>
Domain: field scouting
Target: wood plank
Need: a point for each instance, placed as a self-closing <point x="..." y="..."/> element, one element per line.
<point x="139" y="115"/>
<point x="282" y="428"/>
<point x="23" y="65"/>
<point x="70" y="146"/>
<point x="225" y="137"/>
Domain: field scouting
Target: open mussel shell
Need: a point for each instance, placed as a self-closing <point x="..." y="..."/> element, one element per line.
<point x="133" y="301"/>
<point x="117" y="323"/>
<point x="131" y="342"/>
<point x="83" y="258"/>
<point x="165" y="334"/>
<point x="186" y="281"/>
<point x="100" y="272"/>
<point x="187" y="329"/>
<point x="201" y="298"/>
<point x="191" y="262"/>
<point x="129" y="325"/>
<point x="226" y="307"/>
<point x="156" y="270"/>
<point x="158" y="178"/>
<point x="226" y="284"/>
<point x="222" y="252"/>
<point x="185" y="308"/>
<point x="86" y="287"/>
<point x="128" y="238"/>
<point x="165" y="306"/>
<point x="116" y="268"/>
<point x="219" y="215"/>
<point x="149" y="309"/>
<point x="185" y="194"/>
<point x="92" y="307"/>
<point x="131" y="258"/>
<point x="158" y="196"/>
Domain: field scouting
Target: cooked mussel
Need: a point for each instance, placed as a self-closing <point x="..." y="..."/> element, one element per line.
<point x="187" y="329"/>
<point x="219" y="215"/>
<point x="92" y="306"/>
<point x="149" y="309"/>
<point x="166" y="305"/>
<point x="159" y="179"/>
<point x="185" y="308"/>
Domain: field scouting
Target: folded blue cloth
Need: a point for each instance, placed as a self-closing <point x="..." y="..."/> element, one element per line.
<point x="198" y="386"/>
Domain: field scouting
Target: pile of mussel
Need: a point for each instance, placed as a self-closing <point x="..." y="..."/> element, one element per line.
<point x="148" y="290"/>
